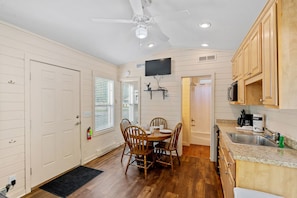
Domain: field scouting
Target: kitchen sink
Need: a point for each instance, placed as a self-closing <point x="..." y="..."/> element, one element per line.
<point x="251" y="139"/>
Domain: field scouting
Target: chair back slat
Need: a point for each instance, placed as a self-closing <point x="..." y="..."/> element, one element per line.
<point x="157" y="121"/>
<point x="136" y="139"/>
<point x="123" y="125"/>
<point x="175" y="135"/>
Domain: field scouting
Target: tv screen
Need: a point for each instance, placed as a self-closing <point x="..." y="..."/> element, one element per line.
<point x="158" y="67"/>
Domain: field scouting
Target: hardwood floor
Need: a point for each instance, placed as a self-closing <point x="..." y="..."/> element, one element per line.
<point x="195" y="177"/>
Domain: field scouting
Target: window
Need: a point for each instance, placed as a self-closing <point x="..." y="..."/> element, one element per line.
<point x="104" y="104"/>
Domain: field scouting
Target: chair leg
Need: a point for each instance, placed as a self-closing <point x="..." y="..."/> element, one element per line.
<point x="171" y="161"/>
<point x="177" y="157"/>
<point x="128" y="164"/>
<point x="145" y="167"/>
<point x="123" y="152"/>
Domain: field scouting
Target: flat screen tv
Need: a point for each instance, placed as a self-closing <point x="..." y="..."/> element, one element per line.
<point x="158" y="67"/>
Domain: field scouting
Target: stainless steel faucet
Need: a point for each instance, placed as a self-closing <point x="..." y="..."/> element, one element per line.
<point x="274" y="136"/>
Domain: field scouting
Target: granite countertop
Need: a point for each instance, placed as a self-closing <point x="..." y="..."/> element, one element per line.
<point x="253" y="153"/>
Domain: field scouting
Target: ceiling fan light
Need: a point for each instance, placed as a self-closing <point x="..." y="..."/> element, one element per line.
<point x="205" y="25"/>
<point x="141" y="32"/>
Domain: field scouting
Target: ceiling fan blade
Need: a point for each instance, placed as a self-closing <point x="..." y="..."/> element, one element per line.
<point x="136" y="7"/>
<point x="155" y="33"/>
<point x="102" y="20"/>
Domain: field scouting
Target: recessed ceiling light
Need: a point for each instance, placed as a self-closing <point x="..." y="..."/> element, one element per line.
<point x="204" y="45"/>
<point x="204" y="25"/>
<point x="150" y="45"/>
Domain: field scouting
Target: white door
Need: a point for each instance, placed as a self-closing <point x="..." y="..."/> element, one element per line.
<point x="200" y="113"/>
<point x="55" y="121"/>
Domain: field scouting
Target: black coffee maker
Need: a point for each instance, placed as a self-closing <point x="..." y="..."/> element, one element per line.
<point x="245" y="119"/>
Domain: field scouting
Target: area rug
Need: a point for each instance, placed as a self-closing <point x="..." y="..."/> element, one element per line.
<point x="71" y="181"/>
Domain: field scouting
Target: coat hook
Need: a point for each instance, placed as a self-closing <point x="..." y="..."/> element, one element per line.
<point x="11" y="82"/>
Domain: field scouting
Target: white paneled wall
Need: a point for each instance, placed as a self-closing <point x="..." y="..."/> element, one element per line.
<point x="279" y="120"/>
<point x="12" y="115"/>
<point x="17" y="48"/>
<point x="184" y="64"/>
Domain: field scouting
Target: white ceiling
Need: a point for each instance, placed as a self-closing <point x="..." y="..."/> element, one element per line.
<point x="70" y="22"/>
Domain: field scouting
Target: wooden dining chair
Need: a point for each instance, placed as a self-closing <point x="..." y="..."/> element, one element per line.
<point x="163" y="147"/>
<point x="157" y="121"/>
<point x="123" y="125"/>
<point x="137" y="141"/>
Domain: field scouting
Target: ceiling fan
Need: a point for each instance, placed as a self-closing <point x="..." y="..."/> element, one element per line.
<point x="143" y="21"/>
<point x="139" y="18"/>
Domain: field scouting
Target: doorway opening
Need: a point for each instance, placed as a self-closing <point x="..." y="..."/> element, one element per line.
<point x="197" y="111"/>
<point x="130" y="102"/>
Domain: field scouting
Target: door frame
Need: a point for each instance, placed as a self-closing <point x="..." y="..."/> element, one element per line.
<point x="212" y="112"/>
<point x="28" y="58"/>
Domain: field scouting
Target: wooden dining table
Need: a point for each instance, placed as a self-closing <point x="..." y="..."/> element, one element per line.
<point x="157" y="136"/>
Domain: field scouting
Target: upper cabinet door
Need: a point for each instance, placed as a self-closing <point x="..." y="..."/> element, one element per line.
<point x="255" y="52"/>
<point x="269" y="57"/>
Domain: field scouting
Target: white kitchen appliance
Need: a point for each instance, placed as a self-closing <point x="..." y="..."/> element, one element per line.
<point x="258" y="122"/>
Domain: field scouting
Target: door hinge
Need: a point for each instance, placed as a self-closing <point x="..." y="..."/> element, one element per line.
<point x="30" y="171"/>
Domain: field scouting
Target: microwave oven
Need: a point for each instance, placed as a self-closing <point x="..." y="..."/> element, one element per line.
<point x="232" y="92"/>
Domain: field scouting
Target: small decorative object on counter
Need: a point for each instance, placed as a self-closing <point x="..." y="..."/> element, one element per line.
<point x="281" y="143"/>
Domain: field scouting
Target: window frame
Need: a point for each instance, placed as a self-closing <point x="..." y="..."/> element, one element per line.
<point x="112" y="105"/>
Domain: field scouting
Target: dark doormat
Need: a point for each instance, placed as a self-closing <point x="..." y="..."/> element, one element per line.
<point x="71" y="181"/>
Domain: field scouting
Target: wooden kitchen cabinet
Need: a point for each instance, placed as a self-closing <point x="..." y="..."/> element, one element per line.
<point x="255" y="61"/>
<point x="246" y="62"/>
<point x="271" y="48"/>
<point x="269" y="54"/>
<point x="263" y="177"/>
<point x="235" y="69"/>
<point x="227" y="170"/>
<point x="287" y="53"/>
<point x="268" y="178"/>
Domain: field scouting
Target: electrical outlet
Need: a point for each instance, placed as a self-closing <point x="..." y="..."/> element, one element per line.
<point x="11" y="178"/>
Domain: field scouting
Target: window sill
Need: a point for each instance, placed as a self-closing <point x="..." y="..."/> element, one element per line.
<point x="102" y="132"/>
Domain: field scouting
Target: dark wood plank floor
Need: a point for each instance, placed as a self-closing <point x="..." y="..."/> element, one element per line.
<point x="196" y="177"/>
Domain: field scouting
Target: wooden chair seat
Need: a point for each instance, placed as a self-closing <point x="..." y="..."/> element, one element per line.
<point x="163" y="147"/>
<point x="137" y="140"/>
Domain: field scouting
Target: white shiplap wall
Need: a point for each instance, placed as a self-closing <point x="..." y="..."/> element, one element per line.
<point x="279" y="120"/>
<point x="12" y="115"/>
<point x="184" y="64"/>
<point x="17" y="48"/>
